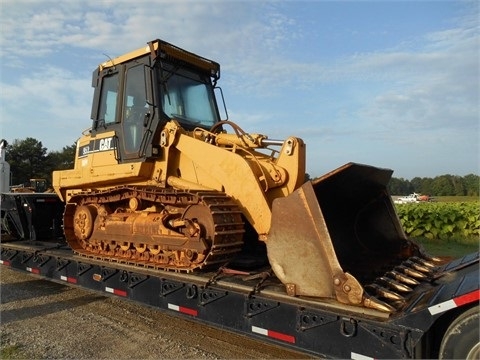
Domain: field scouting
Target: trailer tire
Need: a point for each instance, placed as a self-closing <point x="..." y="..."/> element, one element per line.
<point x="461" y="340"/>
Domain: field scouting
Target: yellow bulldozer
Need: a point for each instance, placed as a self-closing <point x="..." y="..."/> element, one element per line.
<point x="161" y="180"/>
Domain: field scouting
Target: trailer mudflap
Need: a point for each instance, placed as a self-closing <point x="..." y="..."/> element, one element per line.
<point x="337" y="233"/>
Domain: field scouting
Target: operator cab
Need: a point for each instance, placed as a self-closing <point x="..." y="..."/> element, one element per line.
<point x="137" y="94"/>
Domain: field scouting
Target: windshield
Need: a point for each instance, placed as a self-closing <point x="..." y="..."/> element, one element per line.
<point x="188" y="98"/>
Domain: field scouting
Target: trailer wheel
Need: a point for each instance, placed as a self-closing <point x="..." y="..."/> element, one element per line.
<point x="461" y="340"/>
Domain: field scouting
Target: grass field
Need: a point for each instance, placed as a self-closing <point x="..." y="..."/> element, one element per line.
<point x="444" y="248"/>
<point x="455" y="198"/>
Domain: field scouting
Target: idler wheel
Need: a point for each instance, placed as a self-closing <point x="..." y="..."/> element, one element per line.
<point x="200" y="222"/>
<point x="83" y="221"/>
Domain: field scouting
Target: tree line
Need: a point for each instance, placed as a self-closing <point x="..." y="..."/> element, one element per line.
<point x="29" y="159"/>
<point x="443" y="185"/>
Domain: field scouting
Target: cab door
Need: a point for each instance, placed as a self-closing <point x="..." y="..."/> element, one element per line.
<point x="122" y="108"/>
<point x="135" y="115"/>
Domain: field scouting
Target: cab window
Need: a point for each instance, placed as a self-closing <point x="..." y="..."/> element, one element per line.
<point x="188" y="98"/>
<point x="108" y="100"/>
<point x="135" y="109"/>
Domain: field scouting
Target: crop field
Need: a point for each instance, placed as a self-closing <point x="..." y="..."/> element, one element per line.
<point x="449" y="226"/>
<point x="456" y="199"/>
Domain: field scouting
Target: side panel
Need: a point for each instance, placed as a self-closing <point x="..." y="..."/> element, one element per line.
<point x="232" y="171"/>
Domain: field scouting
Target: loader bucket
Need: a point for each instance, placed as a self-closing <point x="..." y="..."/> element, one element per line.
<point x="337" y="233"/>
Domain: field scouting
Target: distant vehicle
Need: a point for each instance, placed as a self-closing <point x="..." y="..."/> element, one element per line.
<point x="412" y="198"/>
<point x="424" y="198"/>
<point x="34" y="186"/>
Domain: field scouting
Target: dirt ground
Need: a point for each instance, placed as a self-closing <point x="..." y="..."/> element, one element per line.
<point x="42" y="319"/>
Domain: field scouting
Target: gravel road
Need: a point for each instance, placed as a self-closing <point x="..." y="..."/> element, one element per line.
<point x="41" y="319"/>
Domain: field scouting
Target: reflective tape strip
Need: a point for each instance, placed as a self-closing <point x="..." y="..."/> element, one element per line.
<point x="467" y="298"/>
<point x="453" y="303"/>
<point x="259" y="330"/>
<point x="442" y="307"/>
<point x="183" y="309"/>
<point x="5" y="262"/>
<point x="33" y="270"/>
<point x="68" y="279"/>
<point x="356" y="356"/>
<point x="274" y="334"/>
<point x="116" y="291"/>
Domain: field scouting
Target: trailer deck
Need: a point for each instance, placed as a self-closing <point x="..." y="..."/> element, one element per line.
<point x="253" y="303"/>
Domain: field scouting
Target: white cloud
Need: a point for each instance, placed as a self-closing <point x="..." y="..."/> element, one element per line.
<point x="426" y="85"/>
<point x="36" y="29"/>
<point x="423" y="88"/>
<point x="52" y="106"/>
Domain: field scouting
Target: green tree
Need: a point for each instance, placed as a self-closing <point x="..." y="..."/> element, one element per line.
<point x="416" y="183"/>
<point x="426" y="186"/>
<point x="399" y="186"/>
<point x="62" y="160"/>
<point x="472" y="184"/>
<point x="27" y="159"/>
<point x="443" y="186"/>
<point x="458" y="185"/>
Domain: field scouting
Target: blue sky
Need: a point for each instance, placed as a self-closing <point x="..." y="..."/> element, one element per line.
<point x="393" y="84"/>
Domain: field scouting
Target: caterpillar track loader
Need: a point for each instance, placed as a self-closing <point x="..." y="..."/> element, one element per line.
<point x="161" y="181"/>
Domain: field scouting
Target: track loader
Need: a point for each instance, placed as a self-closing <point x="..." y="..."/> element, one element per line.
<point x="161" y="181"/>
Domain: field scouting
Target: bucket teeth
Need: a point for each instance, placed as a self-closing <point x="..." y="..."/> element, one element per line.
<point x="395" y="285"/>
<point x="373" y="303"/>
<point x="411" y="263"/>
<point x="411" y="272"/>
<point x="387" y="294"/>
<point x="424" y="262"/>
<point x="402" y="278"/>
<point x="433" y="258"/>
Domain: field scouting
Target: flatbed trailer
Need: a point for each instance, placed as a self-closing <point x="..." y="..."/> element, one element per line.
<point x="255" y="304"/>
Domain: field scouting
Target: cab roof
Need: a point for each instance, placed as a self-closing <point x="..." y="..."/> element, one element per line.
<point x="164" y="50"/>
